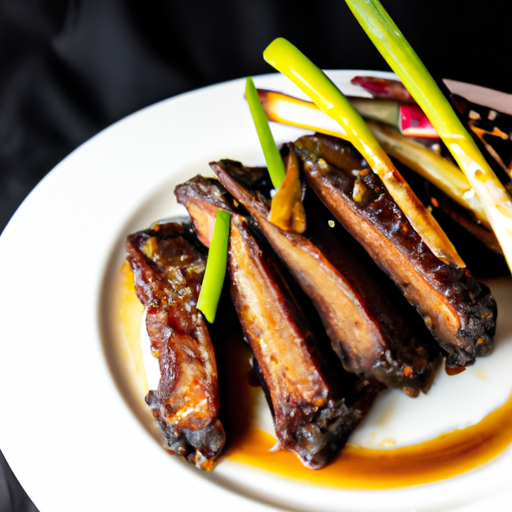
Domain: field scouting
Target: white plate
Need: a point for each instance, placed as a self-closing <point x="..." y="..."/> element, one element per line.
<point x="68" y="435"/>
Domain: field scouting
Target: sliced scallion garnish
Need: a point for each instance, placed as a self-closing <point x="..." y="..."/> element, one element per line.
<point x="215" y="271"/>
<point x="444" y="174"/>
<point x="271" y="152"/>
<point x="287" y="59"/>
<point x="399" y="54"/>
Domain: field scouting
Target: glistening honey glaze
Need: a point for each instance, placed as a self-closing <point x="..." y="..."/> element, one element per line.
<point x="355" y="468"/>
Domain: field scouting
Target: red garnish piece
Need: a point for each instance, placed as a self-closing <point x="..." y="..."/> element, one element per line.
<point x="414" y="122"/>
<point x="383" y="88"/>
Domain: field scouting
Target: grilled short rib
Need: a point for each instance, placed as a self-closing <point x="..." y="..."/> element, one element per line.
<point x="168" y="271"/>
<point x="459" y="311"/>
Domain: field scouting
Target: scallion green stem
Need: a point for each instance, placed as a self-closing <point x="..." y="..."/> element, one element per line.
<point x="399" y="54"/>
<point x="271" y="152"/>
<point x="215" y="271"/>
<point x="287" y="59"/>
<point x="444" y="174"/>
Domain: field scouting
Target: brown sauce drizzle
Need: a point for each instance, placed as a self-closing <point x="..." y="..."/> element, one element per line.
<point x="446" y="456"/>
<point x="361" y="468"/>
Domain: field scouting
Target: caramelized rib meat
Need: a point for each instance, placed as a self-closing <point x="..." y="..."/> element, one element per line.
<point x="313" y="417"/>
<point x="168" y="273"/>
<point x="459" y="311"/>
<point x="411" y="350"/>
<point x="366" y="333"/>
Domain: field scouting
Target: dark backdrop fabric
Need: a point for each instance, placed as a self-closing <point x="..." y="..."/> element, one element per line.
<point x="69" y="68"/>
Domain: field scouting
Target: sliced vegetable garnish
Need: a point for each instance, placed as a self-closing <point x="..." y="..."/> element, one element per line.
<point x="272" y="156"/>
<point x="215" y="267"/>
<point x="287" y="59"/>
<point x="387" y="111"/>
<point x="281" y="108"/>
<point x="285" y="109"/>
<point x="287" y="210"/>
<point x="446" y="176"/>
<point x="383" y="88"/>
<point x="414" y="123"/>
<point x="393" y="46"/>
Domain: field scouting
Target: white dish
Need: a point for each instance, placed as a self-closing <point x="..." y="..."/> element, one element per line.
<point x="71" y="439"/>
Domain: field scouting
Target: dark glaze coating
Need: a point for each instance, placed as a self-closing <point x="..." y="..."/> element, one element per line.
<point x="168" y="272"/>
<point x="409" y="346"/>
<point x="365" y="331"/>
<point x="313" y="416"/>
<point x="459" y="311"/>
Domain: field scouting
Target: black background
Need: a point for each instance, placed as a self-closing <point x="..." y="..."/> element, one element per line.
<point x="69" y="68"/>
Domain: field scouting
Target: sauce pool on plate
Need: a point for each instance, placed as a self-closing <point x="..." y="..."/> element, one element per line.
<point x="360" y="468"/>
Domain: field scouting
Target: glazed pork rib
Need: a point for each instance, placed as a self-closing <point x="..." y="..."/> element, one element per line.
<point x="459" y="311"/>
<point x="313" y="415"/>
<point x="168" y="272"/>
<point x="365" y="331"/>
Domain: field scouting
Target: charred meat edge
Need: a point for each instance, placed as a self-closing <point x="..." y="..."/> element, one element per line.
<point x="311" y="418"/>
<point x="168" y="272"/>
<point x="359" y="322"/>
<point x="459" y="311"/>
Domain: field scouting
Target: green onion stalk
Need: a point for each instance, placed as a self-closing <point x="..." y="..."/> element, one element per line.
<point x="273" y="158"/>
<point x="399" y="54"/>
<point x="286" y="211"/>
<point x="287" y="59"/>
<point x="445" y="175"/>
<point x="215" y="271"/>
